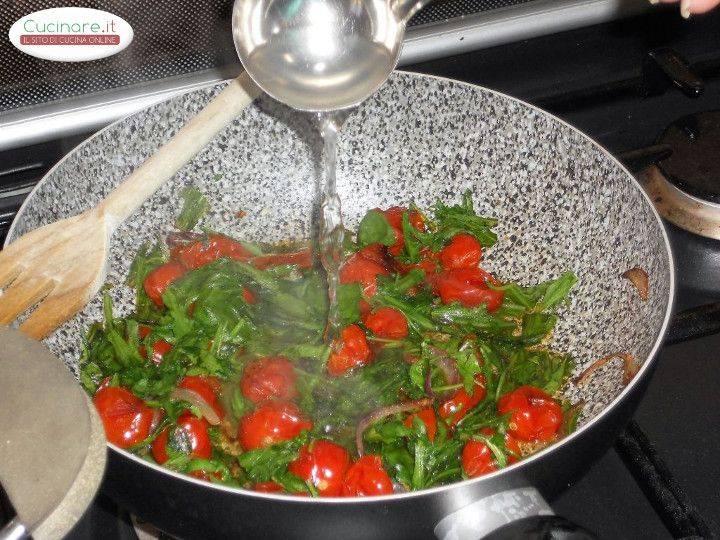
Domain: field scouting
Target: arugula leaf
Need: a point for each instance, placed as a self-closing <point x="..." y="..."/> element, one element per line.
<point x="468" y="366"/>
<point x="348" y="302"/>
<point x="194" y="207"/>
<point x="375" y="229"/>
<point x="239" y="404"/>
<point x="544" y="369"/>
<point x="264" y="464"/>
<point x="557" y="290"/>
<point x="476" y="318"/>
<point x="462" y="217"/>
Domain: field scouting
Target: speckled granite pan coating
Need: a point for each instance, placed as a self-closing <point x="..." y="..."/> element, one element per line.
<point x="562" y="202"/>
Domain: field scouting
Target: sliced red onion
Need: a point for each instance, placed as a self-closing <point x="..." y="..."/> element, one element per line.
<point x="180" y="238"/>
<point x="640" y="280"/>
<point x="192" y="397"/>
<point x="446" y="364"/>
<point x="384" y="412"/>
<point x="630" y="368"/>
<point x="157" y="416"/>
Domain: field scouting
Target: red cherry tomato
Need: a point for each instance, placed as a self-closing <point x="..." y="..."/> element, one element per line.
<point x="207" y="388"/>
<point x="303" y="259"/>
<point x="456" y="406"/>
<point x="126" y="418"/>
<point x="158" y="280"/>
<point x="359" y="269"/>
<point x="350" y="351"/>
<point x="271" y="423"/>
<point x="427" y="263"/>
<point x="463" y="251"/>
<point x="394" y="218"/>
<point x="269" y="378"/>
<point x="202" y="475"/>
<point x="248" y="296"/>
<point x="387" y="323"/>
<point x="268" y="487"/>
<point x="428" y="418"/>
<point x="367" y="477"/>
<point x="534" y="415"/>
<point x="375" y="253"/>
<point x="159" y="349"/>
<point x="478" y="459"/>
<point x="215" y="247"/>
<point x="468" y="286"/>
<point x="323" y="463"/>
<point x="191" y="433"/>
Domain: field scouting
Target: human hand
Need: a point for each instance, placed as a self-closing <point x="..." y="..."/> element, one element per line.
<point x="688" y="7"/>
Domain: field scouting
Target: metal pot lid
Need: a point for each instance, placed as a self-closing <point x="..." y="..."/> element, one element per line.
<point x="52" y="450"/>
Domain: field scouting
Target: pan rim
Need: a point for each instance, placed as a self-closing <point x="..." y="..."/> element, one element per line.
<point x="643" y="372"/>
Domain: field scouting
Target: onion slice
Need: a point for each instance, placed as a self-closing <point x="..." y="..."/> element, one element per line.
<point x="630" y="370"/>
<point x="182" y="238"/>
<point x="446" y="364"/>
<point x="192" y="397"/>
<point x="639" y="278"/>
<point x="384" y="412"/>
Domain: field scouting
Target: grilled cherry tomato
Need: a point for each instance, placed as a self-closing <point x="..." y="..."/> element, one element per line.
<point x="387" y="323"/>
<point x="158" y="280"/>
<point x="207" y="388"/>
<point x="322" y="463"/>
<point x="394" y="218"/>
<point x="271" y="423"/>
<point x="268" y="487"/>
<point x="215" y="247"/>
<point x="463" y="251"/>
<point x="367" y="477"/>
<point x="428" y="418"/>
<point x="360" y="269"/>
<point x="126" y="418"/>
<point x="350" y="351"/>
<point x="534" y="415"/>
<point x="456" y="406"/>
<point x="478" y="459"/>
<point x="190" y="435"/>
<point x="269" y="378"/>
<point x="468" y="286"/>
<point x="301" y="258"/>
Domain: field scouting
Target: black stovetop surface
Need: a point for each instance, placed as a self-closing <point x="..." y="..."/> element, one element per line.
<point x="590" y="78"/>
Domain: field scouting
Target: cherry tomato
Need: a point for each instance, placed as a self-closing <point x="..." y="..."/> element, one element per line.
<point x="271" y="423"/>
<point x="126" y="418"/>
<point x="534" y="415"/>
<point x="468" y="286"/>
<point x="359" y="269"/>
<point x="191" y="433"/>
<point x="387" y="323"/>
<point x="248" y="296"/>
<point x="207" y="388"/>
<point x="268" y="487"/>
<point x="367" y="477"/>
<point x="158" y="280"/>
<point x="428" y="418"/>
<point x="394" y="218"/>
<point x="203" y="475"/>
<point x="303" y="259"/>
<point x="215" y="247"/>
<point x="456" y="406"/>
<point x="159" y="349"/>
<point x="269" y="378"/>
<point x="350" y="351"/>
<point x="428" y="263"/>
<point x="323" y="463"/>
<point x="375" y="253"/>
<point x="463" y="251"/>
<point x="478" y="459"/>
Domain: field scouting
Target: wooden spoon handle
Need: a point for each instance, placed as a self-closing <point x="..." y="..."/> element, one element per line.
<point x="168" y="159"/>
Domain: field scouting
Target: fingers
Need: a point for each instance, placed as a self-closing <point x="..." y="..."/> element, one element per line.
<point x="691" y="7"/>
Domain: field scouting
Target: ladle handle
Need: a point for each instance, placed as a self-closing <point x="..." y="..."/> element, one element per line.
<point x="11" y="528"/>
<point x="405" y="9"/>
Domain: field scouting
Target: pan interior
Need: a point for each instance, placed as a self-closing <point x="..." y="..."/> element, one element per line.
<point x="562" y="202"/>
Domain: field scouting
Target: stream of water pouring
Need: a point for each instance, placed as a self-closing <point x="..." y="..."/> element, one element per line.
<point x="332" y="232"/>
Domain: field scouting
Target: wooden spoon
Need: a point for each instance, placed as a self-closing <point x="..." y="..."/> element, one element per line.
<point x="62" y="265"/>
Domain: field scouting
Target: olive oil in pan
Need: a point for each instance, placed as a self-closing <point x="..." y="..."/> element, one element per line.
<point x="332" y="233"/>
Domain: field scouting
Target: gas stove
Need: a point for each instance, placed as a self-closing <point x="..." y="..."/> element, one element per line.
<point x="623" y="83"/>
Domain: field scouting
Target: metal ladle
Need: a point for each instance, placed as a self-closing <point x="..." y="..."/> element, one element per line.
<point x="320" y="55"/>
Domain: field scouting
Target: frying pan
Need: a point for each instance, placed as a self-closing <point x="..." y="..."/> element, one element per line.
<point x="563" y="203"/>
